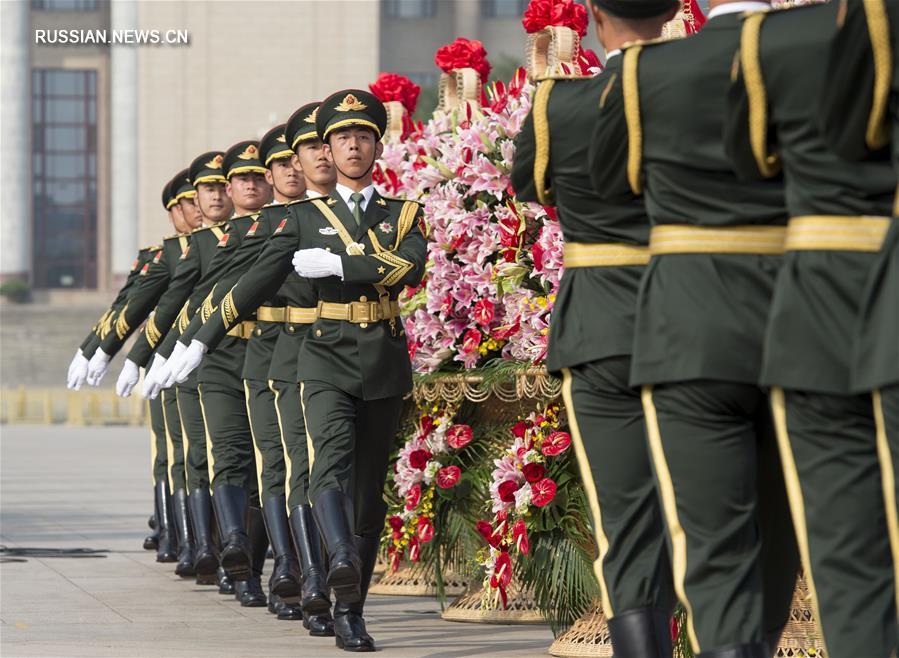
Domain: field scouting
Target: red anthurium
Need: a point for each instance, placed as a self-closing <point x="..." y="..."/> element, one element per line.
<point x="413" y="497"/>
<point x="414" y="549"/>
<point x="471" y="341"/>
<point x="534" y="472"/>
<point x="395" y="559"/>
<point x="459" y="436"/>
<point x="556" y="443"/>
<point x="520" y="533"/>
<point x="543" y="492"/>
<point x="425" y="529"/>
<point x="486" y="531"/>
<point x="507" y="491"/>
<point x="419" y="458"/>
<point x="483" y="312"/>
<point x="425" y="424"/>
<point x="448" y="477"/>
<point x="502" y="571"/>
<point x="506" y="331"/>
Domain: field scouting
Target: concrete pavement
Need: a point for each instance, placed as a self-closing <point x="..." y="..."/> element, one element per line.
<point x="65" y="488"/>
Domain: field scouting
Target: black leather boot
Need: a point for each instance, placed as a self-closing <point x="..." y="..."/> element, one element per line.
<point x="166" y="524"/>
<point x="319" y="625"/>
<point x="226" y="585"/>
<point x="185" y="567"/>
<point x="748" y="650"/>
<point x="314" y="598"/>
<point x="349" y="624"/>
<point x="205" y="561"/>
<point x="285" y="578"/>
<point x="641" y="633"/>
<point x="151" y="541"/>
<point x="333" y="513"/>
<point x="250" y="591"/>
<point x="284" y="610"/>
<point x="230" y="504"/>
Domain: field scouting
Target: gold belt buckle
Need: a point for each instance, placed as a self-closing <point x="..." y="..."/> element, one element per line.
<point x="360" y="312"/>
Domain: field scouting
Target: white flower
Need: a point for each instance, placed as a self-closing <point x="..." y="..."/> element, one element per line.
<point x="522" y="499"/>
<point x="431" y="470"/>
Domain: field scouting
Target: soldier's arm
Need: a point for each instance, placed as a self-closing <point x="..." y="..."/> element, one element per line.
<point x="404" y="265"/>
<point x="523" y="173"/>
<point x="92" y="341"/>
<point x="854" y="116"/>
<point x="750" y="139"/>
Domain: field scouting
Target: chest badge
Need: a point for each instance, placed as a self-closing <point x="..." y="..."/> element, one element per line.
<point x="328" y="230"/>
<point x="252" y="230"/>
<point x="224" y="240"/>
<point x="281" y="226"/>
<point x="385" y="227"/>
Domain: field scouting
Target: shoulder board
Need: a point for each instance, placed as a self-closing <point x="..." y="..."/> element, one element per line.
<point x="776" y="10"/>
<point x="562" y="76"/>
<point x="306" y="200"/>
<point x="399" y="200"/>
<point x="649" y="42"/>
<point x="206" y="228"/>
<point x="155" y="247"/>
<point x="275" y="204"/>
<point x="173" y="236"/>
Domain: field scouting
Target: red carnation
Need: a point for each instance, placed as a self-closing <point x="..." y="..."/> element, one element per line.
<point x="463" y="53"/>
<point x="395" y="87"/>
<point x="519" y="429"/>
<point x="563" y="13"/>
<point x="459" y="436"/>
<point x="555" y="444"/>
<point x="520" y="534"/>
<point x="425" y="529"/>
<point x="396" y="523"/>
<point x="507" y="491"/>
<point x="448" y="477"/>
<point x="534" y="472"/>
<point x="543" y="492"/>
<point x="413" y="497"/>
<point x="419" y="458"/>
<point x="483" y="312"/>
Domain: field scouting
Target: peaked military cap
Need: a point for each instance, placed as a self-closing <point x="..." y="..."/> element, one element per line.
<point x="301" y="125"/>
<point x="207" y="169"/>
<point x="273" y="145"/>
<point x="243" y="158"/>
<point x="350" y="107"/>
<point x="636" y="8"/>
<point x="181" y="186"/>
<point x="168" y="199"/>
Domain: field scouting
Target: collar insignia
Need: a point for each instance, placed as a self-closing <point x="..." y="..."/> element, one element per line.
<point x="381" y="202"/>
<point x="215" y="163"/>
<point x="331" y="201"/>
<point x="249" y="153"/>
<point x="350" y="104"/>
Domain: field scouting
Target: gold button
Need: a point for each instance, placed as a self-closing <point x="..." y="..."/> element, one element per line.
<point x="318" y="332"/>
<point x="363" y="298"/>
<point x="291" y="329"/>
<point x="327" y="248"/>
<point x="258" y="331"/>
<point x="364" y="325"/>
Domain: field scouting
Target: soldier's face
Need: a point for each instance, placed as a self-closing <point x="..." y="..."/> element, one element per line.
<point x="353" y="151"/>
<point x="176" y="217"/>
<point x="318" y="170"/>
<point x="286" y="179"/>
<point x="212" y="202"/>
<point x="192" y="217"/>
<point x="249" y="191"/>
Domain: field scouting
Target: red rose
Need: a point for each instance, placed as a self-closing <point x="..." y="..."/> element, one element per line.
<point x="396" y="523"/>
<point x="520" y="534"/>
<point x="555" y="444"/>
<point x="463" y="53"/>
<point x="502" y="571"/>
<point x="543" y="492"/>
<point x="483" y="312"/>
<point x="563" y="13"/>
<point x="395" y="87"/>
<point x="507" y="491"/>
<point x="519" y="429"/>
<point x="534" y="472"/>
<point x="448" y="477"/>
<point x="471" y="341"/>
<point x="459" y="436"/>
<point x="425" y="529"/>
<point x="418" y="459"/>
<point x="413" y="497"/>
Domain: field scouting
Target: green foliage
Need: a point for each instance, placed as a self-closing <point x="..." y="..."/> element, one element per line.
<point x="15" y="290"/>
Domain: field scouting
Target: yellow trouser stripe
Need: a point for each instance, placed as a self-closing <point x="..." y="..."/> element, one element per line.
<point x="310" y="448"/>
<point x="169" y="445"/>
<point x="153" y="452"/>
<point x="794" y="494"/>
<point x="288" y="464"/>
<point x="210" y="460"/>
<point x="185" y="440"/>
<point x="246" y="399"/>
<point x="590" y="489"/>
<point x="669" y="505"/>
<point x="888" y="480"/>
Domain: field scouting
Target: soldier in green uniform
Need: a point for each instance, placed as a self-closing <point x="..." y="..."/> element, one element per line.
<point x="299" y="296"/>
<point x="362" y="249"/>
<point x="716" y="246"/>
<point x="838" y="219"/>
<point x="605" y="253"/>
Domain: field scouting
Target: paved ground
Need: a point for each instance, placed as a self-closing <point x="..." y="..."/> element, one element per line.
<point x="88" y="488"/>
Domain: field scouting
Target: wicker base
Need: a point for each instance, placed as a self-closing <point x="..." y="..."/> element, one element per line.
<point x="801" y="637"/>
<point x="588" y="636"/>
<point x="407" y="581"/>
<point x="468" y="608"/>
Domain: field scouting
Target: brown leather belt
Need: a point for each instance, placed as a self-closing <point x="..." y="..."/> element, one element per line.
<point x="359" y="312"/>
<point x="271" y="314"/>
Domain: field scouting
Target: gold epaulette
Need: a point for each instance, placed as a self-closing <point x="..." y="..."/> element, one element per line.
<point x="211" y="226"/>
<point x="399" y="200"/>
<point x="152" y="247"/>
<point x="306" y="200"/>
<point x="648" y="42"/>
<point x="563" y="76"/>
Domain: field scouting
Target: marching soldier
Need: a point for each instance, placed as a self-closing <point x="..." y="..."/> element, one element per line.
<point x="839" y="216"/>
<point x="362" y="249"/>
<point x="605" y="254"/>
<point x="716" y="245"/>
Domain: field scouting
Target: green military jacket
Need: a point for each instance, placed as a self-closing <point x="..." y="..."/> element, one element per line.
<point x="593" y="315"/>
<point x="659" y="133"/>
<point x="367" y="360"/>
<point x="105" y="324"/>
<point x="859" y="117"/>
<point x="773" y="124"/>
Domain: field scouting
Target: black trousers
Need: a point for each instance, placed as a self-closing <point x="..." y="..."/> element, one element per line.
<point x="193" y="432"/>
<point x="293" y="437"/>
<point x="229" y="441"/>
<point x="174" y="442"/>
<point x="158" y="451"/>
<point x="266" y="434"/>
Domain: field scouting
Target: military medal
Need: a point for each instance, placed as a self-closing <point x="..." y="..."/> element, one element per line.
<point x="385" y="227"/>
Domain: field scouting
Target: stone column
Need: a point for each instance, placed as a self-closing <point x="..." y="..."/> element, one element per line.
<point x="466" y="19"/>
<point x="124" y="160"/>
<point x="15" y="145"/>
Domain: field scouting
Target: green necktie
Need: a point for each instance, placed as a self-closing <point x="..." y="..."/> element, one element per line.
<point x="356" y="198"/>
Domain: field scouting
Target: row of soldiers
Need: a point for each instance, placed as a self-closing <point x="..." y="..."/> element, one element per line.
<point x="275" y="361"/>
<point x="727" y="326"/>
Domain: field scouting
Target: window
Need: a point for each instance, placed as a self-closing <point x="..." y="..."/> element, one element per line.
<point x="410" y="8"/>
<point x="64" y="155"/>
<point x="65" y="5"/>
<point x="503" y="8"/>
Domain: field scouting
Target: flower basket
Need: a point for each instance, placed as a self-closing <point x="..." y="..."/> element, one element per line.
<point x="521" y="608"/>
<point x="412" y="580"/>
<point x="588" y="636"/>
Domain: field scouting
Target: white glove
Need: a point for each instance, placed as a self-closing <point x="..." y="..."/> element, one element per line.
<point x="77" y="371"/>
<point x="189" y="361"/>
<point x="150" y="377"/>
<point x="165" y="378"/>
<point x="127" y="378"/>
<point x="97" y="367"/>
<point x="317" y="263"/>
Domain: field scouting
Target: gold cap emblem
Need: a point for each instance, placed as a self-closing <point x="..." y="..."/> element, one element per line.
<point x="249" y="153"/>
<point x="281" y="138"/>
<point x="215" y="163"/>
<point x="311" y="117"/>
<point x="350" y="103"/>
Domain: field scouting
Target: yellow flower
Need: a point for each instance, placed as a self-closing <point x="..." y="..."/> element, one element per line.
<point x="541" y="301"/>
